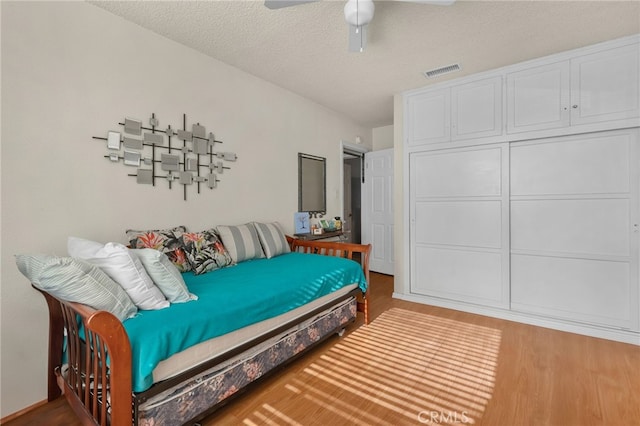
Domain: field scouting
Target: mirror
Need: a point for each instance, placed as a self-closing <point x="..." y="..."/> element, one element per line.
<point x="311" y="183"/>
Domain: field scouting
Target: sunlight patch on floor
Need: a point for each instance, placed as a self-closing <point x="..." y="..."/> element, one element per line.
<point x="403" y="368"/>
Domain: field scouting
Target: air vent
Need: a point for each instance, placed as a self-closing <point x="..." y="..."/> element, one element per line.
<point x="442" y="70"/>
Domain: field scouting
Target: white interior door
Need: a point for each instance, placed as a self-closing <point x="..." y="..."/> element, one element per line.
<point x="377" y="209"/>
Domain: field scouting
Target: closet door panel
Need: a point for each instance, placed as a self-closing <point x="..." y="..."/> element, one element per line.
<point x="590" y="164"/>
<point x="458" y="173"/>
<point x="477" y="223"/>
<point x="586" y="227"/>
<point x="459" y="274"/>
<point x="590" y="291"/>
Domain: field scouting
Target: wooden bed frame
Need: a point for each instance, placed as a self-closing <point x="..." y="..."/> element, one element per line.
<point x="106" y="335"/>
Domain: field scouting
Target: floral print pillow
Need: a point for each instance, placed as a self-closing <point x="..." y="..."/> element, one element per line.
<point x="164" y="240"/>
<point x="204" y="250"/>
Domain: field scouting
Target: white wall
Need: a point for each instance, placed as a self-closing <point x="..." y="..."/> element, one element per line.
<point x="382" y="137"/>
<point x="401" y="263"/>
<point x="71" y="71"/>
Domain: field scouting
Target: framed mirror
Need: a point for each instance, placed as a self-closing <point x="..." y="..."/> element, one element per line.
<point x="312" y="184"/>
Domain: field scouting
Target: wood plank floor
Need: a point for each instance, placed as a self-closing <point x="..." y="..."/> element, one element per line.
<point x="464" y="369"/>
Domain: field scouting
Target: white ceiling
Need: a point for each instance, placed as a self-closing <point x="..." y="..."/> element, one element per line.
<point x="304" y="48"/>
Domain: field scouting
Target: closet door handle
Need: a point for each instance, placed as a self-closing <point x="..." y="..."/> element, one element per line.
<point x="574" y="106"/>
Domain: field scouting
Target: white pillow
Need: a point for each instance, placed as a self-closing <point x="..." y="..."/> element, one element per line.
<point x="164" y="274"/>
<point x="116" y="261"/>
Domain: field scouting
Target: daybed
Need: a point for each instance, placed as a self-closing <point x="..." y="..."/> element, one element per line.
<point x="98" y="369"/>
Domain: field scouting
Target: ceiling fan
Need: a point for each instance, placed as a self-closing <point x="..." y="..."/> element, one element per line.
<point x="357" y="13"/>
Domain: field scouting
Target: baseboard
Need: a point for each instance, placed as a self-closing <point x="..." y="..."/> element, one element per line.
<point x="22" y="412"/>
<point x="623" y="336"/>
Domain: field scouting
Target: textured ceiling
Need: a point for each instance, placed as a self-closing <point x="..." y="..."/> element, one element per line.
<point x="304" y="48"/>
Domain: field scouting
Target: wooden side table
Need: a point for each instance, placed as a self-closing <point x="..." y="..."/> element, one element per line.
<point x="337" y="235"/>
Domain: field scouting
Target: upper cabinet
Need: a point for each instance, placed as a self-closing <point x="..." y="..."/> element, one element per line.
<point x="590" y="89"/>
<point x="604" y="86"/>
<point x="587" y="89"/>
<point x="429" y="117"/>
<point x="470" y="110"/>
<point x="477" y="109"/>
<point x="538" y="98"/>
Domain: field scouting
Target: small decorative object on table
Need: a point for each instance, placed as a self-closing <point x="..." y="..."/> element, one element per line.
<point x="338" y="223"/>
<point x="301" y="223"/>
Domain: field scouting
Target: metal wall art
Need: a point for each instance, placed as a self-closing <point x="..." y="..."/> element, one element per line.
<point x="186" y="157"/>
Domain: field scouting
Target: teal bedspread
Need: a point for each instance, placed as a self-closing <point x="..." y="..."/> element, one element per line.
<point x="232" y="298"/>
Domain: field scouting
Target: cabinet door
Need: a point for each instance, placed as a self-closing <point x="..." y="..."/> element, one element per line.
<point x="605" y="86"/>
<point x="538" y="98"/>
<point x="477" y="109"/>
<point x="428" y="117"/>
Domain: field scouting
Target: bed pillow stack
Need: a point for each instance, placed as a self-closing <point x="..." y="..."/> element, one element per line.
<point x="123" y="267"/>
<point x="147" y="275"/>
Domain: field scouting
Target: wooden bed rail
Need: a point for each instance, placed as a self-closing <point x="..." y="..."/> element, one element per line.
<point x="347" y="250"/>
<point x="98" y="360"/>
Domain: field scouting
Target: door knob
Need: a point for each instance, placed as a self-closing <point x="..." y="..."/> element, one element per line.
<point x="574" y="106"/>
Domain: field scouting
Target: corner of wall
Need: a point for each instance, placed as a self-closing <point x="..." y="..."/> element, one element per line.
<point x="398" y="191"/>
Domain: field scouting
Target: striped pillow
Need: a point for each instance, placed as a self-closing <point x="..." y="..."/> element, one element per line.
<point x="272" y="239"/>
<point x="241" y="242"/>
<point x="75" y="280"/>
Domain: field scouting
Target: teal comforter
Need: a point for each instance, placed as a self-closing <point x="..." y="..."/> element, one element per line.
<point x="232" y="298"/>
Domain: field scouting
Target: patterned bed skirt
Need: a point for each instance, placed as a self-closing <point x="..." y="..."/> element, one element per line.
<point x="192" y="398"/>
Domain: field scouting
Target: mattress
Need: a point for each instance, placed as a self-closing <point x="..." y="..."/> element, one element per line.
<point x="202" y="393"/>
<point x="184" y="360"/>
<point x="232" y="299"/>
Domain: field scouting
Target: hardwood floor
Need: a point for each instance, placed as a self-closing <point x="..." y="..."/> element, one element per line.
<point x="427" y="365"/>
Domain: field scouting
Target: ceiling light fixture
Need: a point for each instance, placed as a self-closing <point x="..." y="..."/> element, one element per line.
<point x="358" y="13"/>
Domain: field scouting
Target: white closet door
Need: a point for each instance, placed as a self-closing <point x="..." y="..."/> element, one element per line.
<point x="459" y="224"/>
<point x="574" y="216"/>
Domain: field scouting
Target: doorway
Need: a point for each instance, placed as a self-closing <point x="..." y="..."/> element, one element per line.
<point x="352" y="192"/>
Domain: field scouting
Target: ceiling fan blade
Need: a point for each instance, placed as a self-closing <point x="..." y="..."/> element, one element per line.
<point x="279" y="4"/>
<point x="357" y="38"/>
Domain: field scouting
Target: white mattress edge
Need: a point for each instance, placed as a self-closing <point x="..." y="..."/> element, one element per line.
<point x="190" y="357"/>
